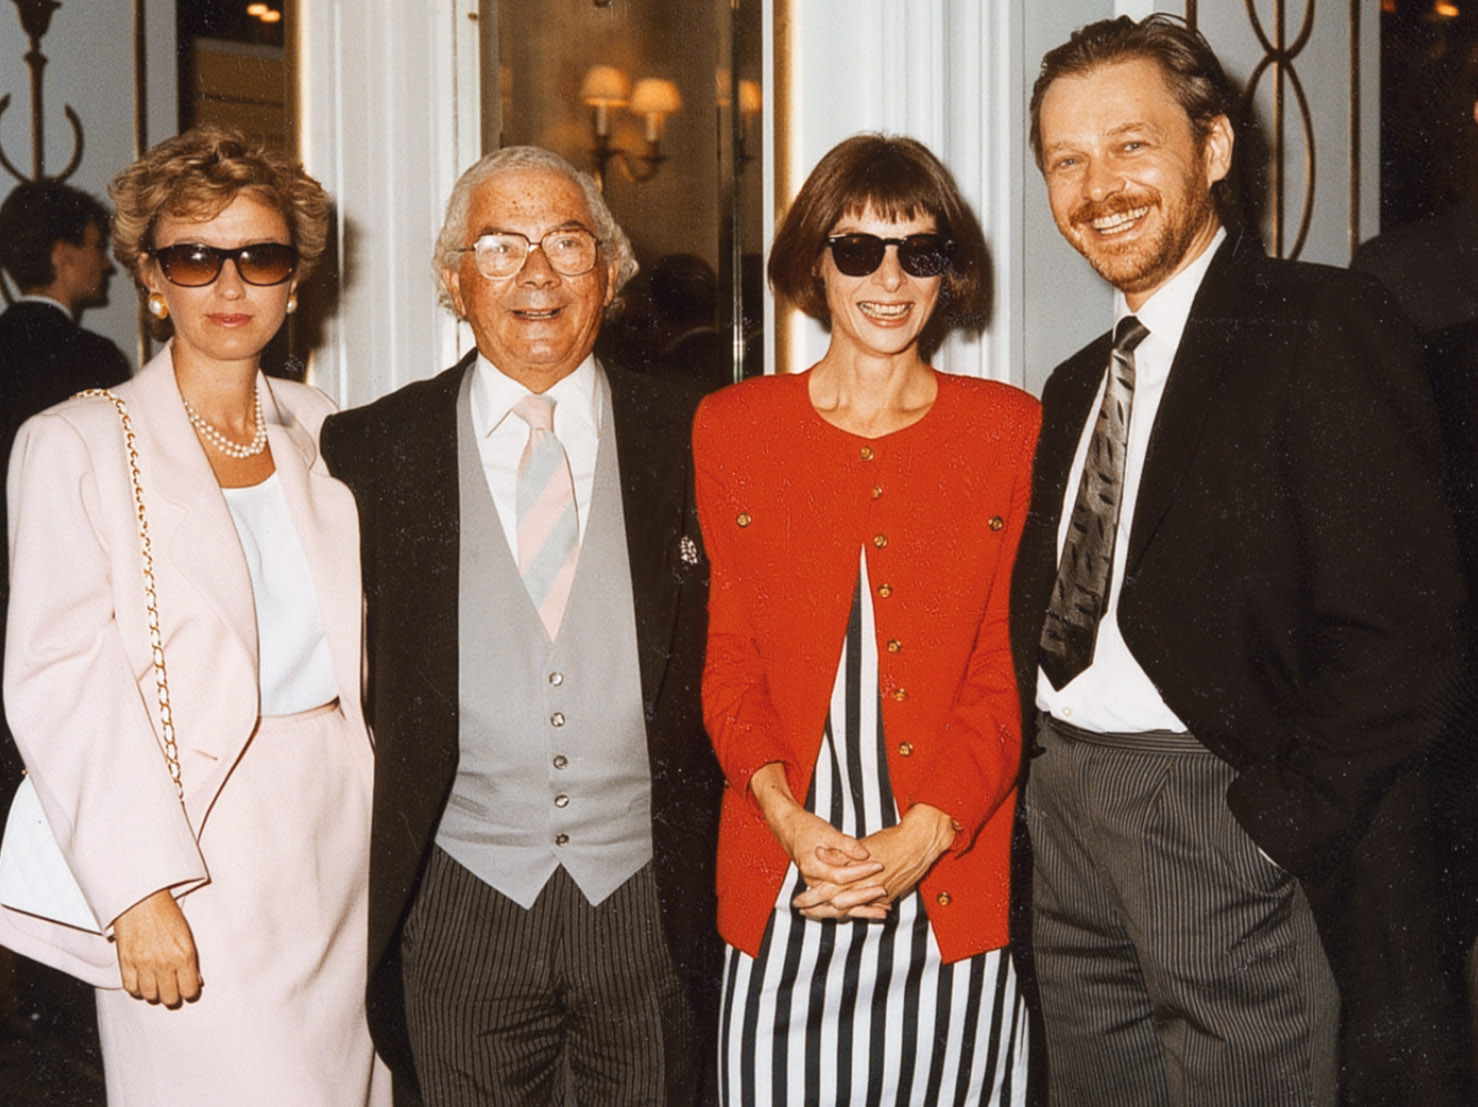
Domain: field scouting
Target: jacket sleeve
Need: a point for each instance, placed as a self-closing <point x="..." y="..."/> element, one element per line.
<point x="81" y="710"/>
<point x="746" y="730"/>
<point x="978" y="756"/>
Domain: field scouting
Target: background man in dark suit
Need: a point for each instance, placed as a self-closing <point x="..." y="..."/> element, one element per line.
<point x="541" y="881"/>
<point x="54" y="248"/>
<point x="1234" y="615"/>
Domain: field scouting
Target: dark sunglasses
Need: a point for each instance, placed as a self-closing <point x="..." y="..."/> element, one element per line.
<point x="921" y="255"/>
<point x="191" y="265"/>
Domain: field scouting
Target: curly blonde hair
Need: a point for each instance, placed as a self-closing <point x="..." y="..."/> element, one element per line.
<point x="197" y="174"/>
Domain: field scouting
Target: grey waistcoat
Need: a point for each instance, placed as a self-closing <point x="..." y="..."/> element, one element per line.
<point x="553" y="765"/>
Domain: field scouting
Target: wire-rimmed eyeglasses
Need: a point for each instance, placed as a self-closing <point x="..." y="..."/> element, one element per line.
<point x="570" y="251"/>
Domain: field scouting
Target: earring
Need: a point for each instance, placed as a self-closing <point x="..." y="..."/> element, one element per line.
<point x="292" y="302"/>
<point x="156" y="305"/>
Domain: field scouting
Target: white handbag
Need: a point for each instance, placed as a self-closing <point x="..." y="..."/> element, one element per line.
<point x="34" y="875"/>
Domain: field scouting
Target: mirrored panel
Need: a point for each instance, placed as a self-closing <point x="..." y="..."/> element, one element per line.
<point x="662" y="102"/>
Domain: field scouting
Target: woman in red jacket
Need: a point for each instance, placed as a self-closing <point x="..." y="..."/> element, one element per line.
<point x="861" y="519"/>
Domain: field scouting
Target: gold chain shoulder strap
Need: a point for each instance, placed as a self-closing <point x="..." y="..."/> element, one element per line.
<point x="151" y="601"/>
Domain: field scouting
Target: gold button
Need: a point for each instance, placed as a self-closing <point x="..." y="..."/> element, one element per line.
<point x="561" y="839"/>
<point x="561" y="801"/>
<point x="905" y="750"/>
<point x="865" y="453"/>
<point x="996" y="523"/>
<point x="880" y="540"/>
<point x="894" y="645"/>
<point x="743" y="519"/>
<point x="556" y="679"/>
<point x="900" y="694"/>
<point x="877" y="490"/>
<point x="942" y="899"/>
<point x="885" y="590"/>
<point x="561" y="761"/>
<point x="557" y="719"/>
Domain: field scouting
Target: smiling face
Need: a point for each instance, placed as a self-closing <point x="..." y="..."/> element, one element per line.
<point x="882" y="313"/>
<point x="228" y="320"/>
<point x="536" y="326"/>
<point x="1129" y="186"/>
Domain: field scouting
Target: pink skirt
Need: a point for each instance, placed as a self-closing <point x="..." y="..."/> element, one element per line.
<point x="280" y="930"/>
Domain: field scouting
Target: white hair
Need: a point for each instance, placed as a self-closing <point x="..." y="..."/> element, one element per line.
<point x="614" y="243"/>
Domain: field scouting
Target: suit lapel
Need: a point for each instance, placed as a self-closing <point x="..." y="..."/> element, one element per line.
<point x="1199" y="363"/>
<point x="323" y="512"/>
<point x="427" y="513"/>
<point x="188" y="515"/>
<point x="653" y="497"/>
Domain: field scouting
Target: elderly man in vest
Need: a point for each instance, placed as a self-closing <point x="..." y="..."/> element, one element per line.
<point x="541" y="885"/>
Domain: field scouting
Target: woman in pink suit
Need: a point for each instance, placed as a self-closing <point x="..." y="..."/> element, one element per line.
<point x="232" y="971"/>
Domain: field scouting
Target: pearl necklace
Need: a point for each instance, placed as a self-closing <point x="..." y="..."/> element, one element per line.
<point x="258" y="441"/>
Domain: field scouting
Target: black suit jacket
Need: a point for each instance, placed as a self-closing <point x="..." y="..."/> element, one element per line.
<point x="399" y="455"/>
<point x="1292" y="589"/>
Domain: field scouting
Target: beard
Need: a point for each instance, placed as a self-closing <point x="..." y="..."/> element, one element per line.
<point x="1148" y="262"/>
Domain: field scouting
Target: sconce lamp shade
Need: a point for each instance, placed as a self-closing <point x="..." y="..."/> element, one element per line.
<point x="751" y="100"/>
<point x="605" y="86"/>
<point x="655" y="96"/>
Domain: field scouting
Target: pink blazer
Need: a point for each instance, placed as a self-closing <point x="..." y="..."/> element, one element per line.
<point x="79" y="683"/>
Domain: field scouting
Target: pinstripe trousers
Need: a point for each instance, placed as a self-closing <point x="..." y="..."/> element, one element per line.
<point x="563" y="1003"/>
<point x="1177" y="964"/>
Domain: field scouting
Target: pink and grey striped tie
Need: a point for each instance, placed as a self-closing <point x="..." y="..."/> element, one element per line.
<point x="548" y="531"/>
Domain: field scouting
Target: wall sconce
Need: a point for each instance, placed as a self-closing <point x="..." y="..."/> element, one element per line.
<point x="751" y="103"/>
<point x="654" y="99"/>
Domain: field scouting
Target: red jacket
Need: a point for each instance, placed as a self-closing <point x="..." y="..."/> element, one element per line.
<point x="786" y="500"/>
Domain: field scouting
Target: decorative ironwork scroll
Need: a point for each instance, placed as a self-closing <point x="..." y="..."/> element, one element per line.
<point x="1279" y="55"/>
<point x="35" y="18"/>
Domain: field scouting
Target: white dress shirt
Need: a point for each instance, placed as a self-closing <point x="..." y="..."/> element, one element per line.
<point x="32" y="298"/>
<point x="1113" y="694"/>
<point x="579" y="401"/>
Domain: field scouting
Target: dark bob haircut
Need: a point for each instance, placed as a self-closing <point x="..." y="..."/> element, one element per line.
<point x="899" y="179"/>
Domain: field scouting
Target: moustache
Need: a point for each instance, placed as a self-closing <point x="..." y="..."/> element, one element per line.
<point x="1117" y="204"/>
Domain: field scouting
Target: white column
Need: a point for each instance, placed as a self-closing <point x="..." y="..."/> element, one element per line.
<point x="389" y="118"/>
<point x="947" y="72"/>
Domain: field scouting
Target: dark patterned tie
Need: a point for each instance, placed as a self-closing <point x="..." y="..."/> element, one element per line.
<point x="1081" y="592"/>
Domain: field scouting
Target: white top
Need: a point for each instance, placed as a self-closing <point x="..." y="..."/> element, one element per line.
<point x="579" y="400"/>
<point x="294" y="668"/>
<point x="1113" y="694"/>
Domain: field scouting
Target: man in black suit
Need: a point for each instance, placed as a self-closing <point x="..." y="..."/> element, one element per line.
<point x="546" y="801"/>
<point x="54" y="247"/>
<point x="1234" y="618"/>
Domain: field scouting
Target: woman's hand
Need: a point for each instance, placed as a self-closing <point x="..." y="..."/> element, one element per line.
<point x="156" y="951"/>
<point x="908" y="850"/>
<point x="835" y="866"/>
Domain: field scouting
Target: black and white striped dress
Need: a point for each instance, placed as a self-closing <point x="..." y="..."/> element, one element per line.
<point x="864" y="1012"/>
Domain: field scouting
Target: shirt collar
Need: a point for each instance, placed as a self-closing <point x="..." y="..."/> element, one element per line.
<point x="576" y="398"/>
<point x="1166" y="312"/>
<point x="35" y="299"/>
